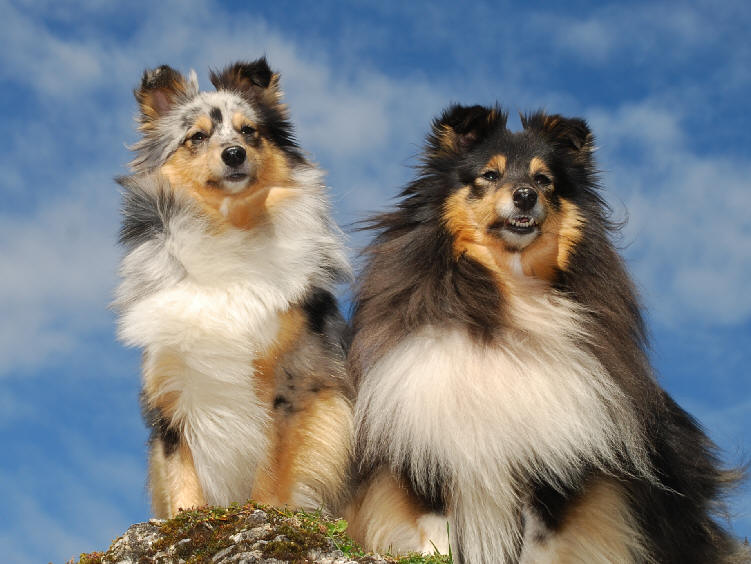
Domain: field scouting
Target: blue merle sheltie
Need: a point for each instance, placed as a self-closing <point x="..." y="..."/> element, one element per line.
<point x="504" y="391"/>
<point x="227" y="286"/>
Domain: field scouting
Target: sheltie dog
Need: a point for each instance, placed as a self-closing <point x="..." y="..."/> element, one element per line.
<point x="227" y="286"/>
<point x="503" y="387"/>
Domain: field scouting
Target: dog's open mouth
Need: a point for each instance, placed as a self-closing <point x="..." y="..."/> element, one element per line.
<point x="236" y="177"/>
<point x="519" y="224"/>
<point x="232" y="183"/>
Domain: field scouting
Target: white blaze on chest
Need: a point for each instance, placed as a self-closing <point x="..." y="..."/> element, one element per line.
<point x="213" y="302"/>
<point x="535" y="392"/>
<point x="216" y="324"/>
<point x="216" y="334"/>
<point x="535" y="402"/>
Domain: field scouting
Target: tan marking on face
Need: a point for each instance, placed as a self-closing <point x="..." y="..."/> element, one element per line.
<point x="469" y="219"/>
<point x="203" y="123"/>
<point x="244" y="209"/>
<point x="570" y="232"/>
<point x="497" y="163"/>
<point x="190" y="173"/>
<point x="239" y="120"/>
<point x="271" y="186"/>
<point x="538" y="259"/>
<point x="550" y="251"/>
<point x="538" y="166"/>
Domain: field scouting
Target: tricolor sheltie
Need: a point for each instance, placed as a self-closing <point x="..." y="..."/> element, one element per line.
<point x="227" y="286"/>
<point x="503" y="388"/>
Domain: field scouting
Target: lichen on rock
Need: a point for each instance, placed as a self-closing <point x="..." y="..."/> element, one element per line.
<point x="249" y="533"/>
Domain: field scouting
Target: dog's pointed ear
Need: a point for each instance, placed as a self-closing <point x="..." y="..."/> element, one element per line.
<point x="255" y="81"/>
<point x="159" y="91"/>
<point x="460" y="128"/>
<point x="570" y="135"/>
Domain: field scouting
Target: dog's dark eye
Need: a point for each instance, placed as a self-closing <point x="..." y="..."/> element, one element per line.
<point x="542" y="180"/>
<point x="490" y="175"/>
<point x="247" y="130"/>
<point x="198" y="137"/>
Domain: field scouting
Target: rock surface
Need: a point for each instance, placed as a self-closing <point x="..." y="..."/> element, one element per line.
<point x="240" y="534"/>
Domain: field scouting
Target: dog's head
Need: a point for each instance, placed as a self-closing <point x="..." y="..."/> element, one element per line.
<point x="224" y="142"/>
<point x="512" y="195"/>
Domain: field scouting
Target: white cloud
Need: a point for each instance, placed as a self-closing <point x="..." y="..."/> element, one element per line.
<point x="58" y="267"/>
<point x="639" y="31"/>
<point x="48" y="64"/>
<point x="59" y="258"/>
<point x="591" y="39"/>
<point x="689" y="231"/>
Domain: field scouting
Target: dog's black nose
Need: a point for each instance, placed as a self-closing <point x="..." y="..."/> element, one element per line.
<point x="525" y="198"/>
<point x="233" y="156"/>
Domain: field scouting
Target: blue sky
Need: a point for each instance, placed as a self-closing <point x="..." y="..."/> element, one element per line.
<point x="662" y="84"/>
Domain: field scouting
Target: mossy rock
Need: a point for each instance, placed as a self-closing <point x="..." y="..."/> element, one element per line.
<point x="243" y="533"/>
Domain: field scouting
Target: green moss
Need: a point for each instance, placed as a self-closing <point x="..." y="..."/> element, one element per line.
<point x="91" y="558"/>
<point x="199" y="534"/>
<point x="304" y="532"/>
<point x="207" y="528"/>
<point x="296" y="544"/>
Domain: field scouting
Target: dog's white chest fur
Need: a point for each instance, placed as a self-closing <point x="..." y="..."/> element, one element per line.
<point x="535" y="402"/>
<point x="209" y="303"/>
<point x="211" y="336"/>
